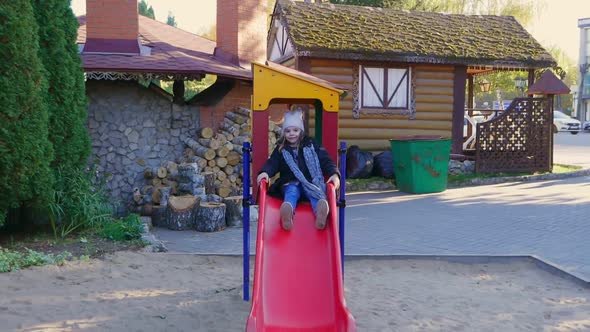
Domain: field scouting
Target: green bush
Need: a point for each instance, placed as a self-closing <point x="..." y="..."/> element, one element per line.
<point x="66" y="96"/>
<point x="129" y="228"/>
<point x="79" y="202"/>
<point x="25" y="151"/>
<point x="14" y="260"/>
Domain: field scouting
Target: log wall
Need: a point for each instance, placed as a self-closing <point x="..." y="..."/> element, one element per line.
<point x="434" y="106"/>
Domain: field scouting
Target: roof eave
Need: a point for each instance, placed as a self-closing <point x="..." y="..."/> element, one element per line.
<point x="247" y="76"/>
<point x="357" y="56"/>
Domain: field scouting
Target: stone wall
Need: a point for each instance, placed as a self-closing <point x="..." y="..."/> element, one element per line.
<point x="133" y="127"/>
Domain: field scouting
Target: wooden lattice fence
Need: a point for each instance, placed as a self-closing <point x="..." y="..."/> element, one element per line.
<point x="518" y="140"/>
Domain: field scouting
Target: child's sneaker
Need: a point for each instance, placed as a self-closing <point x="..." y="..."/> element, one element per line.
<point x="322" y="210"/>
<point x="286" y="216"/>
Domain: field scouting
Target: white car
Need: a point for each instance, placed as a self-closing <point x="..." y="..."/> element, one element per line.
<point x="564" y="122"/>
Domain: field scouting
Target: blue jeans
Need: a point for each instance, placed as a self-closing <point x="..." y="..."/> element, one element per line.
<point x="293" y="191"/>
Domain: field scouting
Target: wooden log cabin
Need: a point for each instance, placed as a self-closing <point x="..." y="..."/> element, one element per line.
<point x="407" y="73"/>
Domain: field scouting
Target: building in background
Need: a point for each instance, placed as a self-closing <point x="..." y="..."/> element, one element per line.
<point x="583" y="92"/>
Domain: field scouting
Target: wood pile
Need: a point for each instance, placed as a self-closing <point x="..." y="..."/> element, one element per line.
<point x="220" y="152"/>
<point x="203" y="190"/>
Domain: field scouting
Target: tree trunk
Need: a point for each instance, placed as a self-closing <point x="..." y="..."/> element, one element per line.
<point x="221" y="162"/>
<point x="233" y="158"/>
<point x="162" y="172"/>
<point x="161" y="195"/>
<point x="227" y="135"/>
<point x="210" y="142"/>
<point x="205" y="152"/>
<point x="223" y="151"/>
<point x="209" y="182"/>
<point x="148" y="173"/>
<point x="233" y="211"/>
<point x="224" y="191"/>
<point x="210" y="217"/>
<point x="243" y="111"/>
<point x="191" y="181"/>
<point x="205" y="132"/>
<point x="236" y="118"/>
<point x="214" y="198"/>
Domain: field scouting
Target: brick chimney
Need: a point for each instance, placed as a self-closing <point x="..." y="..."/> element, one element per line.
<point x="112" y="26"/>
<point x="241" y="31"/>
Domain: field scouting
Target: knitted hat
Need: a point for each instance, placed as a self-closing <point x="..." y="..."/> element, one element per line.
<point x="293" y="119"/>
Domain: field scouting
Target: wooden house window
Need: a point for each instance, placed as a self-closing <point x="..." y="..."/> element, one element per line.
<point x="384" y="89"/>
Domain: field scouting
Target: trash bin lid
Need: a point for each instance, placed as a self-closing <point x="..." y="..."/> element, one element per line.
<point x="417" y="138"/>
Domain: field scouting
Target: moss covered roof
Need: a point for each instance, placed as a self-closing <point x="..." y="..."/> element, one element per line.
<point x="367" y="33"/>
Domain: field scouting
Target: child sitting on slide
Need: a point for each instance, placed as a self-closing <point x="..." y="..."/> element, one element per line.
<point x="302" y="165"/>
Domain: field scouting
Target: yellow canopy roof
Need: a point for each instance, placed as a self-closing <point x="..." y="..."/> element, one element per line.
<point x="282" y="84"/>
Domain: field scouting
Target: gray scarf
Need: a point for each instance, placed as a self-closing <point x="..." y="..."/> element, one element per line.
<point x="317" y="188"/>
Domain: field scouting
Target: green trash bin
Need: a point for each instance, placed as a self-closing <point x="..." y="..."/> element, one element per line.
<point x="421" y="163"/>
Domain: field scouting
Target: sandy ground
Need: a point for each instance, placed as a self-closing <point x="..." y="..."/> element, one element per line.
<point x="165" y="292"/>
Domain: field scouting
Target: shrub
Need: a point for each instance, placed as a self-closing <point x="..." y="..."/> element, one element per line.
<point x="129" y="228"/>
<point x="25" y="151"/>
<point x="65" y="97"/>
<point x="14" y="260"/>
<point x="79" y="202"/>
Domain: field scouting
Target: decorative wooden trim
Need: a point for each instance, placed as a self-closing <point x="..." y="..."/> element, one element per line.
<point x="123" y="76"/>
<point x="412" y="110"/>
<point x="356" y="68"/>
<point x="458" y="108"/>
<point x="303" y="64"/>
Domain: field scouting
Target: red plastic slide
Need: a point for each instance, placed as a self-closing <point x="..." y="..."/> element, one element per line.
<point x="298" y="274"/>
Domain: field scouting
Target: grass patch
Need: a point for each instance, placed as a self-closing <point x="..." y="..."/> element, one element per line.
<point x="557" y="168"/>
<point x="15" y="260"/>
<point x="368" y="180"/>
<point x="129" y="228"/>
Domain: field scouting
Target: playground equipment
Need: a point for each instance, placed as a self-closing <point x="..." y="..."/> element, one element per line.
<point x="298" y="274"/>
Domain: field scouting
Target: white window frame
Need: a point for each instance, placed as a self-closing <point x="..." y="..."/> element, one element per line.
<point x="388" y="88"/>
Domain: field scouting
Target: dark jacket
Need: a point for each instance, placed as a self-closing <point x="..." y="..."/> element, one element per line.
<point x="277" y="164"/>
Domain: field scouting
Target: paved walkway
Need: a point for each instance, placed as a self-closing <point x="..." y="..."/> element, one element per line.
<point x="549" y="219"/>
<point x="572" y="149"/>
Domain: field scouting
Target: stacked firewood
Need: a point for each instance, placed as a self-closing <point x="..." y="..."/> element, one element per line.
<point x="203" y="190"/>
<point x="221" y="152"/>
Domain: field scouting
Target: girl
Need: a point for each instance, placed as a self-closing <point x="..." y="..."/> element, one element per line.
<point x="302" y="165"/>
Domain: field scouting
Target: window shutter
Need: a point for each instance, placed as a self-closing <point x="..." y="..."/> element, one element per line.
<point x="397" y="88"/>
<point x="372" y="87"/>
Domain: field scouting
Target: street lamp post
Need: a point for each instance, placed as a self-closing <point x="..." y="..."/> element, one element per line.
<point x="581" y="111"/>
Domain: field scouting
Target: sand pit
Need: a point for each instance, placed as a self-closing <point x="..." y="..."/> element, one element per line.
<point x="164" y="292"/>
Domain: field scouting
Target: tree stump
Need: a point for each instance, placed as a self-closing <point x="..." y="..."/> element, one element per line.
<point x="214" y="198"/>
<point x="146" y="210"/>
<point x="159" y="215"/>
<point x="210" y="217"/>
<point x="181" y="212"/>
<point x="233" y="211"/>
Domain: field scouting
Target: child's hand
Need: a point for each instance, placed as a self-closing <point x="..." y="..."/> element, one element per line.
<point x="261" y="176"/>
<point x="335" y="179"/>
